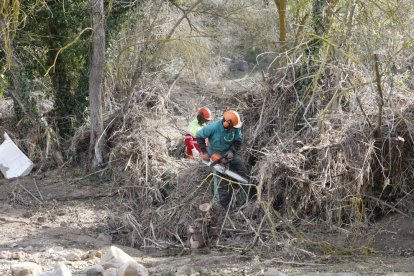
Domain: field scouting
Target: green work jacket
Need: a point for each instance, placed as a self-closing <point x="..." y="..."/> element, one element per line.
<point x="219" y="139"/>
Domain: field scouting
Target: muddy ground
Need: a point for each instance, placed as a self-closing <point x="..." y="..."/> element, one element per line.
<point x="60" y="217"/>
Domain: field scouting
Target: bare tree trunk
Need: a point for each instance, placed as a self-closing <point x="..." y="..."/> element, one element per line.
<point x="96" y="146"/>
<point x="281" y="8"/>
<point x="377" y="132"/>
<point x="13" y="66"/>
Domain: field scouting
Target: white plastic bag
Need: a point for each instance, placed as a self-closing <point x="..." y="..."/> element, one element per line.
<point x="13" y="162"/>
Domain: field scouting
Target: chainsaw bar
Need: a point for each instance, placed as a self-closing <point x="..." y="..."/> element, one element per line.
<point x="221" y="169"/>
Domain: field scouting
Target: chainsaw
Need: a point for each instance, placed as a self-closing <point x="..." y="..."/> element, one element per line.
<point x="220" y="164"/>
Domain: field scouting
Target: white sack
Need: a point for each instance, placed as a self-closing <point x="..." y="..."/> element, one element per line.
<point x="13" y="162"/>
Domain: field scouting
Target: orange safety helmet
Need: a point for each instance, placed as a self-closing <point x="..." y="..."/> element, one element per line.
<point x="205" y="113"/>
<point x="231" y="119"/>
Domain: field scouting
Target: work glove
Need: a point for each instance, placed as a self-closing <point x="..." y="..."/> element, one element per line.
<point x="229" y="155"/>
<point x="195" y="153"/>
<point x="205" y="156"/>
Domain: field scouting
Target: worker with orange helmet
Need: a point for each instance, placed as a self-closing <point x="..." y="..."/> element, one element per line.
<point x="224" y="138"/>
<point x="203" y="117"/>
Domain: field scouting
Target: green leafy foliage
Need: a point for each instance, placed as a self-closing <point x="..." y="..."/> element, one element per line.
<point x="54" y="43"/>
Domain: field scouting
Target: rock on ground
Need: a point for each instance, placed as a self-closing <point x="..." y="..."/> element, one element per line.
<point x="72" y="257"/>
<point x="60" y="269"/>
<point x="132" y="269"/>
<point x="115" y="257"/>
<point x="91" y="254"/>
<point x="272" y="271"/>
<point x="111" y="272"/>
<point x="25" y="269"/>
<point x="104" y="238"/>
<point x="96" y="270"/>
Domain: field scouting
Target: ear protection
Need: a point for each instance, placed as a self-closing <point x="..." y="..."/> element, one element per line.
<point x="200" y="117"/>
<point x="227" y="123"/>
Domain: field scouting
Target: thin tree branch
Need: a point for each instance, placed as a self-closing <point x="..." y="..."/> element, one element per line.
<point x="169" y="35"/>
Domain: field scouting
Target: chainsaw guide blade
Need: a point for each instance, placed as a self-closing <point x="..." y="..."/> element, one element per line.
<point x="221" y="169"/>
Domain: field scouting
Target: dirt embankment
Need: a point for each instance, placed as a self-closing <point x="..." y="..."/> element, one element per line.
<point x="54" y="218"/>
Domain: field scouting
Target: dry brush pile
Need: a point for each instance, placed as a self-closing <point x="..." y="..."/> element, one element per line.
<point x="334" y="166"/>
<point x="329" y="140"/>
<point x="323" y="154"/>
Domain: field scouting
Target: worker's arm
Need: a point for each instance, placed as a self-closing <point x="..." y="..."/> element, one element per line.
<point x="237" y="142"/>
<point x="188" y="140"/>
<point x="201" y="135"/>
<point x="202" y="143"/>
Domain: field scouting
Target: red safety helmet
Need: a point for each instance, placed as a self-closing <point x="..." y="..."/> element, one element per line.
<point x="205" y="113"/>
<point x="232" y="119"/>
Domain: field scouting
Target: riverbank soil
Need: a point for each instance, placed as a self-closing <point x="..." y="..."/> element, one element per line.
<point x="60" y="217"/>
